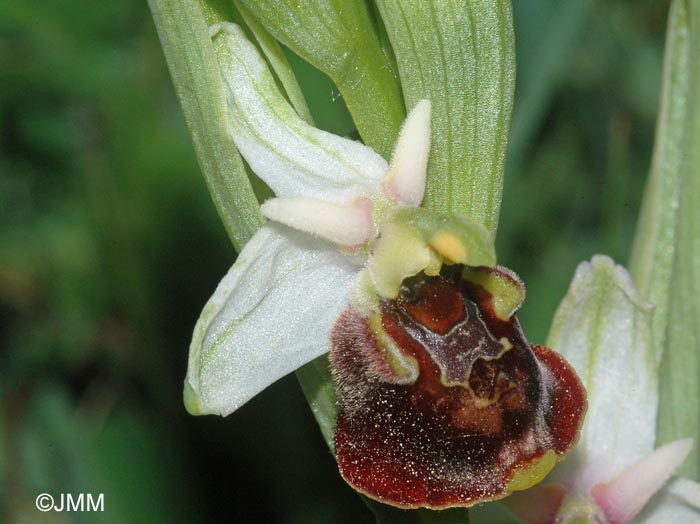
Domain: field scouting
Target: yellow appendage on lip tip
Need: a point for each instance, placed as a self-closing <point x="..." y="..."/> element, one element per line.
<point x="534" y="473"/>
<point x="504" y="286"/>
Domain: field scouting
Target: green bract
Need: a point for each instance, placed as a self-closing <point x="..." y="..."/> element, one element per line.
<point x="339" y="38"/>
<point x="196" y="76"/>
<point x="665" y="260"/>
<point x="460" y="56"/>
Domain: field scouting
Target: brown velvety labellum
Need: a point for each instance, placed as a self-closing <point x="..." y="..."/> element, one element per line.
<point x="484" y="404"/>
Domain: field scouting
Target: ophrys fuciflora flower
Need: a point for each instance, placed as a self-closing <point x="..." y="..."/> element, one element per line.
<point x="442" y="401"/>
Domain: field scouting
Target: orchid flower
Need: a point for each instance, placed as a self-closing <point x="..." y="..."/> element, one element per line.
<point x="442" y="401"/>
<point x="614" y="476"/>
<point x="274" y="310"/>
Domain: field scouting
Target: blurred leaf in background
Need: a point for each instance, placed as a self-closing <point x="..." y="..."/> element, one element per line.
<point x="109" y="244"/>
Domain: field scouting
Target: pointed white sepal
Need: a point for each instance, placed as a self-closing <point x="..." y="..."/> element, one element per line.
<point x="603" y="328"/>
<point x="270" y="314"/>
<point x="405" y="182"/>
<point x="292" y="157"/>
<point x="622" y="498"/>
<point x="349" y="225"/>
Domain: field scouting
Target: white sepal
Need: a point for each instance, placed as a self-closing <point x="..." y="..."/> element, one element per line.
<point x="603" y="328"/>
<point x="405" y="182"/>
<point x="270" y="314"/>
<point x="292" y="157"/>
<point x="349" y="225"/>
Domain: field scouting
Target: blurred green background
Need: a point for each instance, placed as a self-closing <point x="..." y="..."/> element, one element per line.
<point x="110" y="245"/>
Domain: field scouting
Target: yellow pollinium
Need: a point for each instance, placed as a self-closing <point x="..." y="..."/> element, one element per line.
<point x="412" y="240"/>
<point x="535" y="473"/>
<point x="450" y="247"/>
<point x="455" y="238"/>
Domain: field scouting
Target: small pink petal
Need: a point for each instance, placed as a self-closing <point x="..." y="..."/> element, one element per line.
<point x="405" y="182"/>
<point x="625" y="496"/>
<point x="537" y="505"/>
<point x="349" y="225"/>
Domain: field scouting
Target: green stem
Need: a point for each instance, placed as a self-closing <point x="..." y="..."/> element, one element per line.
<point x="339" y="38"/>
<point x="194" y="70"/>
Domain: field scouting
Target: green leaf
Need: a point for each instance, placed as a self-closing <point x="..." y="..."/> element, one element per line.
<point x="278" y="62"/>
<point x="325" y="103"/>
<point x="665" y="259"/>
<point x="460" y="56"/>
<point x="195" y="73"/>
<point x="217" y="11"/>
<point x="339" y="38"/>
